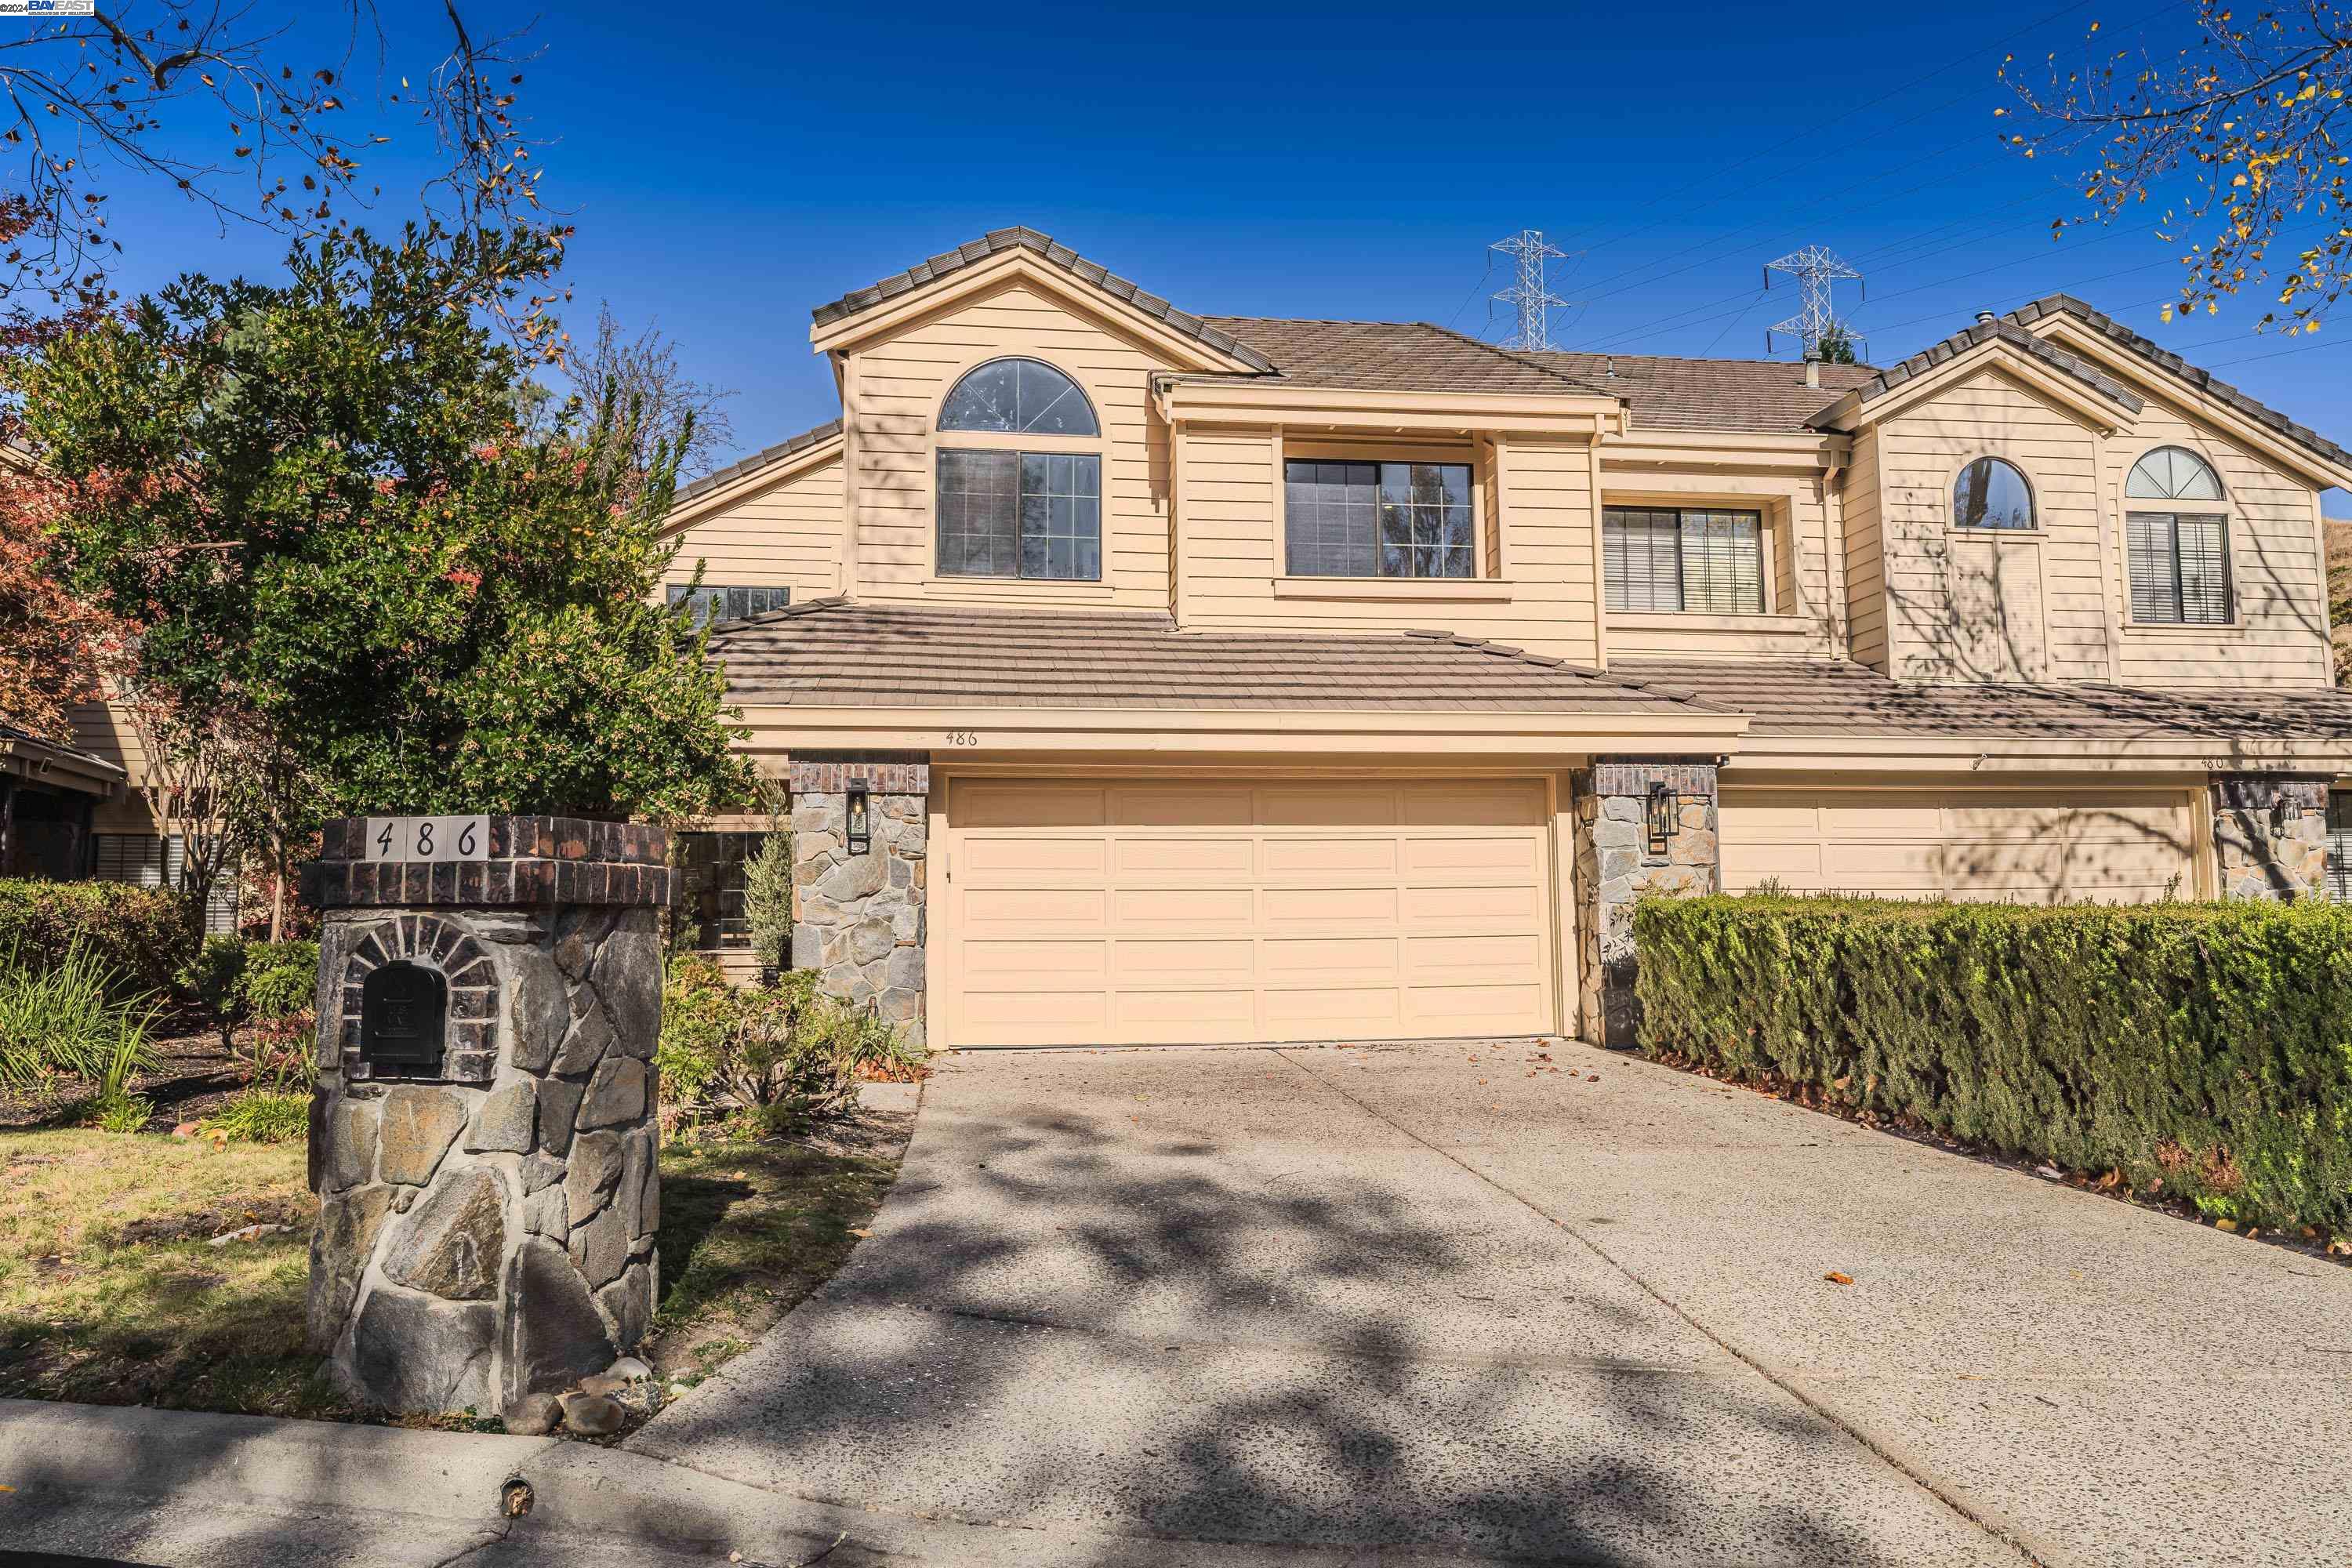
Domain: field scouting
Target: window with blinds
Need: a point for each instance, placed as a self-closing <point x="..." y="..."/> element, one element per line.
<point x="727" y="602"/>
<point x="2340" y="846"/>
<point x="1683" y="560"/>
<point x="146" y="860"/>
<point x="1379" y="520"/>
<point x="2179" y="568"/>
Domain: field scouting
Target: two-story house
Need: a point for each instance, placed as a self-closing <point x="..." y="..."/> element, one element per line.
<point x="1150" y="677"/>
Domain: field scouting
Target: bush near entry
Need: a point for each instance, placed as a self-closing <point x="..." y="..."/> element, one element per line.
<point x="2206" y="1047"/>
<point x="139" y="934"/>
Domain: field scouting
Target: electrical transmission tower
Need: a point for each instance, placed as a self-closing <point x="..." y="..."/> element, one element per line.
<point x="1816" y="270"/>
<point x="1530" y="299"/>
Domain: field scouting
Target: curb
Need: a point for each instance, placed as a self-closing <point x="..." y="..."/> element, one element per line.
<point x="65" y="1462"/>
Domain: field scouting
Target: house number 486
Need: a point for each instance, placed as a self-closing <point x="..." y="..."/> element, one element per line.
<point x="427" y="839"/>
<point x="963" y="737"/>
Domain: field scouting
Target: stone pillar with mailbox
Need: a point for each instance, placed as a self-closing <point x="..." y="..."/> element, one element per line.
<point x="2269" y="836"/>
<point x="482" y="1135"/>
<point x="861" y="830"/>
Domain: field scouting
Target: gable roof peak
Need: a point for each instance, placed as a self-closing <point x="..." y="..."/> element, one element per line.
<point x="1021" y="238"/>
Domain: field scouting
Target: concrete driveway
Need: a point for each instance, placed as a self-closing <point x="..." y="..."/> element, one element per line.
<point x="1443" y="1298"/>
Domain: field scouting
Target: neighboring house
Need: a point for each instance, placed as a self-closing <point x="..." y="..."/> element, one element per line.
<point x="1149" y="676"/>
<point x="77" y="812"/>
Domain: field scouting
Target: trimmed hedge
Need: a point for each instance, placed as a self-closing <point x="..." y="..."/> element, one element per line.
<point x="2209" y="1045"/>
<point x="141" y="934"/>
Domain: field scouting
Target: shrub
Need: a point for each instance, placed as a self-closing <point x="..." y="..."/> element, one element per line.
<point x="213" y="979"/>
<point x="261" y="1116"/>
<point x="140" y="934"/>
<point x="781" y="1056"/>
<point x="280" y="978"/>
<point x="71" y="1017"/>
<point x="768" y="900"/>
<point x="2198" y="1047"/>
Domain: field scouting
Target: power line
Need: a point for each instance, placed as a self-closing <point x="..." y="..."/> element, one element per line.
<point x="1817" y="270"/>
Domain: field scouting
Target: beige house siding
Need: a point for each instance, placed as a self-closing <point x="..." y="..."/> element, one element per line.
<point x="1865" y="555"/>
<point x="104" y="730"/>
<point x="1978" y="605"/>
<point x="2276" y="569"/>
<point x="1232" y="573"/>
<point x="787" y="535"/>
<point x="895" y="390"/>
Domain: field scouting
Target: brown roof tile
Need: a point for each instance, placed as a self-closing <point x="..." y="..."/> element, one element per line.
<point x="1789" y="697"/>
<point x="997" y="241"/>
<point x="766" y="457"/>
<point x="2017" y="337"/>
<point x="834" y="653"/>
<point x="1410" y="356"/>
<point x="1669" y="394"/>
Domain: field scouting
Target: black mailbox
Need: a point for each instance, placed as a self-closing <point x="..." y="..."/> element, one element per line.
<point x="403" y="1017"/>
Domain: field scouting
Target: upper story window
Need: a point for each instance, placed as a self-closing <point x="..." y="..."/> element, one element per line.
<point x="727" y="602"/>
<point x="2178" y="557"/>
<point x="1020" y="475"/>
<point x="1991" y="493"/>
<point x="1379" y="520"/>
<point x="1700" y="561"/>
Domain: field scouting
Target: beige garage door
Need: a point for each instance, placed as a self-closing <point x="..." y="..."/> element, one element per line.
<point x="2036" y="846"/>
<point x="1149" y="912"/>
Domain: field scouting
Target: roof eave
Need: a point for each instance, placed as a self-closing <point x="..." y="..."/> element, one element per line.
<point x="1271" y="400"/>
<point x="1014" y="731"/>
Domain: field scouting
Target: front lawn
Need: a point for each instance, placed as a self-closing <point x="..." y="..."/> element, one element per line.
<point x="113" y="1292"/>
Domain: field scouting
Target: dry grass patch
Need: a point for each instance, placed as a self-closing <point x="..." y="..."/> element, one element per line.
<point x="111" y="1291"/>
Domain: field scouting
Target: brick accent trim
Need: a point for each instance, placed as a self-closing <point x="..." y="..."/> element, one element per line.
<point x="531" y="860"/>
<point x="881" y="773"/>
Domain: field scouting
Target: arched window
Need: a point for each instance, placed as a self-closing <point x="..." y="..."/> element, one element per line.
<point x="1026" y="507"/>
<point x="2178" y="557"/>
<point x="1019" y="396"/>
<point x="2173" y="473"/>
<point x="1991" y="493"/>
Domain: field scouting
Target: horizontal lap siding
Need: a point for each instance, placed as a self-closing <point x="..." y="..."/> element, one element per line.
<point x="1234" y="552"/>
<point x="1980" y="606"/>
<point x="897" y="388"/>
<point x="2274" y="564"/>
<point x="105" y="730"/>
<point x="788" y="535"/>
<point x="1865" y="573"/>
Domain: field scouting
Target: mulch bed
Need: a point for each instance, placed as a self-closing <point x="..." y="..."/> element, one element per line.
<point x="192" y="1078"/>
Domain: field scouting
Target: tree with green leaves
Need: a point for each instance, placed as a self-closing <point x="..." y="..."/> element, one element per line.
<point x="1836" y="346"/>
<point x="315" y="501"/>
<point x="2238" y="137"/>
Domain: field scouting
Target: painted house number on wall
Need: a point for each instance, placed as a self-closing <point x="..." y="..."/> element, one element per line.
<point x="428" y="838"/>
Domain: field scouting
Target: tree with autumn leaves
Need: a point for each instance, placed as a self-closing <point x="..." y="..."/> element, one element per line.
<point x="342" y="551"/>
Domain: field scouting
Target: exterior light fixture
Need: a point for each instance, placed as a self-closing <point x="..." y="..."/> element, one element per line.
<point x="860" y="834"/>
<point x="1662" y="815"/>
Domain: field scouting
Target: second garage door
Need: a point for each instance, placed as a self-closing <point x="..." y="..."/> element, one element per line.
<point x="1082" y="912"/>
<point x="2117" y="846"/>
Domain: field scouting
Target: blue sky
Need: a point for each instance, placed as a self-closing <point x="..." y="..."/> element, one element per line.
<point x="730" y="166"/>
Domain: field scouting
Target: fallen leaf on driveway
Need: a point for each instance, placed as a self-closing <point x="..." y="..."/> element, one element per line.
<point x="1592" y="1078"/>
<point x="2225" y="1224"/>
<point x="2049" y="1172"/>
<point x="854" y="1231"/>
<point x="1834" y="1277"/>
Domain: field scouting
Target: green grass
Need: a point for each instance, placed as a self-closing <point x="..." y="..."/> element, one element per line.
<point x="110" y="1293"/>
<point x="748" y="1231"/>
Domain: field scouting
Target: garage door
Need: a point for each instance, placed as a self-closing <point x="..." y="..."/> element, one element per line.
<point x="1150" y="912"/>
<point x="2033" y="846"/>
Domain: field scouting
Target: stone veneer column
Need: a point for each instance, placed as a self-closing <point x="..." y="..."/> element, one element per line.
<point x="1615" y="866"/>
<point x="486" y="1229"/>
<point x="2269" y="836"/>
<point x="858" y="919"/>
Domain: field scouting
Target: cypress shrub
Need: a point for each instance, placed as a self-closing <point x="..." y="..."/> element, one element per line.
<point x="2208" y="1046"/>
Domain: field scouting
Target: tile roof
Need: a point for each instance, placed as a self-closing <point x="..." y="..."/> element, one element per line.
<point x="1789" y="697"/>
<point x="1669" y="394"/>
<point x="2011" y="333"/>
<point x="1406" y="356"/>
<point x="837" y="653"/>
<point x="766" y="457"/>
<point x="996" y="242"/>
<point x="14" y="737"/>
<point x="2155" y="353"/>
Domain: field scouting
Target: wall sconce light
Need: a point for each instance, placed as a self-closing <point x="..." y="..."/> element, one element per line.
<point x="1662" y="815"/>
<point x="860" y="834"/>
